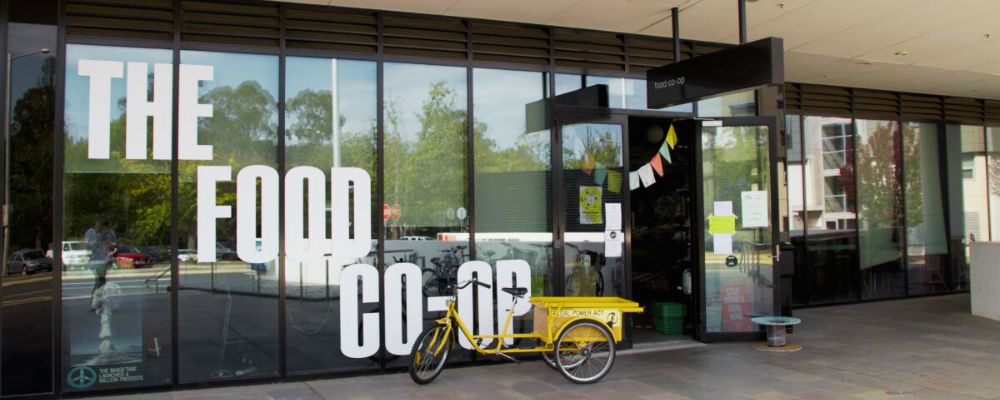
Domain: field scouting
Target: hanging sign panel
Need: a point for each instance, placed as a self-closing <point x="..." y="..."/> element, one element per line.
<point x="740" y="67"/>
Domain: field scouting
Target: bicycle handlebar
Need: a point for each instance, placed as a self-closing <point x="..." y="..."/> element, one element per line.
<point x="462" y="285"/>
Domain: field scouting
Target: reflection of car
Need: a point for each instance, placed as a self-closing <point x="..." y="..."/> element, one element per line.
<point x="131" y="257"/>
<point x="28" y="261"/>
<point x="75" y="254"/>
<point x="187" y="255"/>
<point x="160" y="253"/>
<point x="415" y="238"/>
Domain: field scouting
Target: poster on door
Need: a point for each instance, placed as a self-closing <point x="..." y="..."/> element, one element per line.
<point x="591" y="204"/>
<point x="735" y="309"/>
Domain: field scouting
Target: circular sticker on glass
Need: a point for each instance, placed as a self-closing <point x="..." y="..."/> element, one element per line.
<point x="461" y="213"/>
<point x="731" y="261"/>
<point x="81" y="377"/>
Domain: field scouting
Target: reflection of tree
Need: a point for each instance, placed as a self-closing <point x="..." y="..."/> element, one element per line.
<point x="880" y="176"/>
<point x="31" y="155"/>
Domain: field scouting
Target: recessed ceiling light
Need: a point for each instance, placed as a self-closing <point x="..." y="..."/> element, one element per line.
<point x="902" y="52"/>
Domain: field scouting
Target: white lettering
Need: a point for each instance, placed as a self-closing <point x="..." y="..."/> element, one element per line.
<point x="99" y="112"/>
<point x="298" y="245"/>
<point x="138" y="109"/>
<point x="351" y="277"/>
<point x="480" y="321"/>
<point x="395" y="342"/>
<point x="189" y="112"/>
<point x="246" y="214"/>
<point x="208" y="210"/>
<point x="343" y="245"/>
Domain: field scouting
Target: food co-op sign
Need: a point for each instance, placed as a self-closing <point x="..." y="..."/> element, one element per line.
<point x="303" y="242"/>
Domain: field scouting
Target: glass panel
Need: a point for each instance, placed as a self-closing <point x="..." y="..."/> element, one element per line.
<point x="513" y="198"/>
<point x="567" y="83"/>
<point x="968" y="196"/>
<point x="993" y="177"/>
<point x="739" y="104"/>
<point x="116" y="272"/>
<point x="228" y="307"/>
<point x="616" y="89"/>
<point x="926" y="244"/>
<point x="831" y="245"/>
<point x="879" y="176"/>
<point x="796" y="215"/>
<point x="512" y="181"/>
<point x="736" y="176"/>
<point x="316" y="90"/>
<point x="635" y="98"/>
<point x="26" y="331"/>
<point x="425" y="175"/>
<point x="593" y="177"/>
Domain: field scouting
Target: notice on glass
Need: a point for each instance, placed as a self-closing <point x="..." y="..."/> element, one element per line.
<point x="613" y="241"/>
<point x="614" y="214"/>
<point x="754" y="210"/>
<point x="591" y="205"/>
<point x="722" y="243"/>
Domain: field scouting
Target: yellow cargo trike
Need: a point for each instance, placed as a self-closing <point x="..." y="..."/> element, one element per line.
<point x="575" y="335"/>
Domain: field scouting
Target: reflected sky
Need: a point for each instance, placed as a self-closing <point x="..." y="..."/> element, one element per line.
<point x="499" y="99"/>
<point x="407" y="86"/>
<point x="356" y="91"/>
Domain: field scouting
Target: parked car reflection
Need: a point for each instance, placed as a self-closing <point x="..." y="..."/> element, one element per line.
<point x="131" y="257"/>
<point x="28" y="261"/>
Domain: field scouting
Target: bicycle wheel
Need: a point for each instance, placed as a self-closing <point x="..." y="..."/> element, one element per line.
<point x="429" y="354"/>
<point x="585" y="352"/>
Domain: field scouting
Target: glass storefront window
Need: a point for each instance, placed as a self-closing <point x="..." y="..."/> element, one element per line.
<point x="926" y="243"/>
<point x="739" y="104"/>
<point x="26" y="317"/>
<point x="116" y="216"/>
<point x="635" y="98"/>
<point x="228" y="312"/>
<point x="616" y="89"/>
<point x="879" y="180"/>
<point x="968" y="196"/>
<point x="512" y="167"/>
<point x="425" y="176"/>
<point x="830" y="212"/>
<point x="567" y="83"/>
<point x="317" y="90"/>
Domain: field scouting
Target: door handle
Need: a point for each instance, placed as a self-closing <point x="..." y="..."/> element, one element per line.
<point x="777" y="254"/>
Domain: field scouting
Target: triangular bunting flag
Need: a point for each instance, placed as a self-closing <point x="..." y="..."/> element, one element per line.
<point x="672" y="136"/>
<point x="646" y="175"/>
<point x="657" y="164"/>
<point x="665" y="153"/>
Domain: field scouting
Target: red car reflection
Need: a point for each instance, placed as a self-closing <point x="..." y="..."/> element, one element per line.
<point x="131" y="257"/>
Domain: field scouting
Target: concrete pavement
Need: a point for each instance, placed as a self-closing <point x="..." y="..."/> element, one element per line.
<point x="925" y="348"/>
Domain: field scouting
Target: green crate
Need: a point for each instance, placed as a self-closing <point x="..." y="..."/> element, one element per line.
<point x="667" y="310"/>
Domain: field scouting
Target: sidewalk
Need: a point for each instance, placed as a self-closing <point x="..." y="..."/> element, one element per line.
<point x="927" y="348"/>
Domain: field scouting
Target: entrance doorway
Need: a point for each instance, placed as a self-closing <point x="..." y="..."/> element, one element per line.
<point x="661" y="215"/>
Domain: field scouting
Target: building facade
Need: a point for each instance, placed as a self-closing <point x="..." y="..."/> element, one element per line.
<point x="218" y="192"/>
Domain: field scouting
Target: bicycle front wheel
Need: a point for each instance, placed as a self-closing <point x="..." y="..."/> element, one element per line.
<point x="429" y="354"/>
<point x="585" y="352"/>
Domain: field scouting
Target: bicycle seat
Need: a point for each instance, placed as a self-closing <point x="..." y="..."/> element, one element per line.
<point x="516" y="291"/>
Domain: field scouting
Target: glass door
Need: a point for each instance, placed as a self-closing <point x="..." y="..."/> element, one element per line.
<point x="735" y="174"/>
<point x="592" y="187"/>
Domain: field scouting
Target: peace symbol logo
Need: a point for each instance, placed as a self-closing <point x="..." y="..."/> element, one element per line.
<point x="81" y="377"/>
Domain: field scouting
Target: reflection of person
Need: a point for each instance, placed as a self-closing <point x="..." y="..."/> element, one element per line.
<point x="101" y="241"/>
